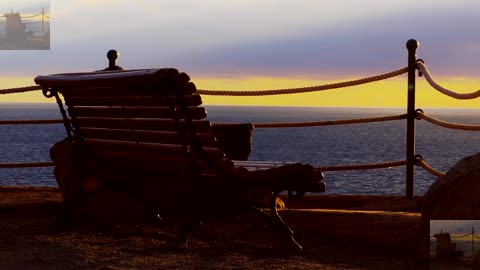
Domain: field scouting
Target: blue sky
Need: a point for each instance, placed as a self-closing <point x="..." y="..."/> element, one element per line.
<point x="316" y="39"/>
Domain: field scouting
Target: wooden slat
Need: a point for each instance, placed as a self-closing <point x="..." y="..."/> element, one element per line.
<point x="167" y="150"/>
<point x="202" y="126"/>
<point x="260" y="165"/>
<point x="132" y="147"/>
<point x="144" y="88"/>
<point x="137" y="112"/>
<point x="141" y="163"/>
<point x="207" y="140"/>
<point x="193" y="100"/>
<point x="110" y="78"/>
<point x="106" y="78"/>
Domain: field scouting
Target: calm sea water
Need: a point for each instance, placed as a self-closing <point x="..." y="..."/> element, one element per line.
<point x="321" y="146"/>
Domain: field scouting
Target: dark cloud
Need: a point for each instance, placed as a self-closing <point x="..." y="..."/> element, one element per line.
<point x="448" y="43"/>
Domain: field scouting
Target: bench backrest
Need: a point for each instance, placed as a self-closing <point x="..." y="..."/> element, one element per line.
<point x="149" y="119"/>
<point x="444" y="243"/>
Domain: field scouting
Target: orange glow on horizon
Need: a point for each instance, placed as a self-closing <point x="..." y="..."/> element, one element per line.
<point x="386" y="93"/>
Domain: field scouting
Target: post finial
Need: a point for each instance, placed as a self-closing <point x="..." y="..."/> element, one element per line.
<point x="412" y="44"/>
<point x="112" y="56"/>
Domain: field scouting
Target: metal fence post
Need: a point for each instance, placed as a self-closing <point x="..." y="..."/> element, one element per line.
<point x="412" y="46"/>
<point x="473" y="242"/>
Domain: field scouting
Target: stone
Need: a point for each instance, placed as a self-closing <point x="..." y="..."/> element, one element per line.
<point x="456" y="195"/>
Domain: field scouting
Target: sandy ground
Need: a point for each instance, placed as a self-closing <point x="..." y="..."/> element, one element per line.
<point x="366" y="237"/>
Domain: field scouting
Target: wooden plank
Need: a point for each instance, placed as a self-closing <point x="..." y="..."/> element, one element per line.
<point x="201" y="126"/>
<point x="260" y="165"/>
<point x="196" y="113"/>
<point x="111" y="78"/>
<point x="167" y="137"/>
<point x="133" y="147"/>
<point x="143" y="88"/>
<point x="144" y="148"/>
<point x="191" y="100"/>
<point x="141" y="162"/>
<point x="105" y="78"/>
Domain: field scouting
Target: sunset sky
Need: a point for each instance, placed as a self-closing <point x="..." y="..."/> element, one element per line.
<point x="264" y="44"/>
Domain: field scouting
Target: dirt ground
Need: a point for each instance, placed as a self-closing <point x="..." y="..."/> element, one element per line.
<point x="332" y="239"/>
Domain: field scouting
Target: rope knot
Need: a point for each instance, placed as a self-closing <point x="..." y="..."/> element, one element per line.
<point x="417" y="114"/>
<point x="420" y="73"/>
<point x="418" y="160"/>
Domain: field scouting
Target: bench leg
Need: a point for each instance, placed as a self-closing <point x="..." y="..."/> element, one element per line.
<point x="69" y="205"/>
<point x="185" y="231"/>
<point x="285" y="232"/>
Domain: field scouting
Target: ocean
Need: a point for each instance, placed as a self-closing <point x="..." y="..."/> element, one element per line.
<point x="319" y="146"/>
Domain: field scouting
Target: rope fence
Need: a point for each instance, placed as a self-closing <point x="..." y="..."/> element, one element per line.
<point x="423" y="68"/>
<point x="322" y="123"/>
<point x="466" y="248"/>
<point x="303" y="89"/>
<point x="31" y="122"/>
<point x="27" y="165"/>
<point x="32" y="16"/>
<point x="422" y="115"/>
<point x="363" y="166"/>
<point x="461" y="236"/>
<point x="31" y="23"/>
<point x="20" y="89"/>
<point x="419" y="161"/>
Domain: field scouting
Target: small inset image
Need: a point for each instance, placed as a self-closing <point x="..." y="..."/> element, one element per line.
<point x="25" y="25"/>
<point x="455" y="242"/>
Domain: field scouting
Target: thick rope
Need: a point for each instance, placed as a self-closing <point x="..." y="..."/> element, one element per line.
<point x="461" y="236"/>
<point x="330" y="122"/>
<point x="447" y="124"/>
<point x="27" y="165"/>
<point x="20" y="89"/>
<point x="363" y="166"/>
<point x="26" y="17"/>
<point x="31" y="122"/>
<point x="321" y="123"/>
<point x="256" y="92"/>
<point x="303" y="89"/>
<point x="257" y="125"/>
<point x="423" y="68"/>
<point x="420" y="162"/>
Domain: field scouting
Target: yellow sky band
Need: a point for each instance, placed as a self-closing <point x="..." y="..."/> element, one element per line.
<point x="388" y="93"/>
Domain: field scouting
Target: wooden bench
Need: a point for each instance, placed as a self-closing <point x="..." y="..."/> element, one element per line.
<point x="131" y="128"/>
<point x="445" y="247"/>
